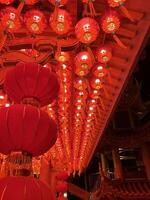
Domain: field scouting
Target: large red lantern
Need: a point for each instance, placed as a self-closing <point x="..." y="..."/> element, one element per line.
<point x="104" y="54"/>
<point x="60" y="22"/>
<point x="87" y="30"/>
<point x="9" y="19"/>
<point x="35" y="21"/>
<point x="58" y="2"/>
<point x="31" y="81"/>
<point x="27" y="129"/>
<point x="120" y="4"/>
<point x="18" y="188"/>
<point x="110" y="24"/>
<point x="7" y="2"/>
<point x="83" y="63"/>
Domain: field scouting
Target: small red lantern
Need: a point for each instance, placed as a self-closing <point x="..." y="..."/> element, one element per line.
<point x="62" y="56"/>
<point x="21" y="127"/>
<point x="7" y="2"/>
<point x="83" y="63"/>
<point x="120" y="4"/>
<point x="35" y="21"/>
<point x="31" y="81"/>
<point x="20" y="187"/>
<point x="96" y="83"/>
<point x="94" y="94"/>
<point x="87" y="30"/>
<point x="58" y="2"/>
<point x="81" y="83"/>
<point x="110" y="24"/>
<point x="99" y="70"/>
<point x="60" y="22"/>
<point x="104" y="54"/>
<point x="9" y="19"/>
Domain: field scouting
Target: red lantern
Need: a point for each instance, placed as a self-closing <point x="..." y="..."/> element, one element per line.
<point x="110" y="23"/>
<point x="104" y="54"/>
<point x="60" y="22"/>
<point x="26" y="128"/>
<point x="9" y="19"/>
<point x="58" y="2"/>
<point x="7" y="2"/>
<point x="81" y="83"/>
<point x="87" y="30"/>
<point x="96" y="83"/>
<point x="62" y="57"/>
<point x="62" y="176"/>
<point x="20" y="187"/>
<point x="120" y="4"/>
<point x="31" y="2"/>
<point x="31" y="81"/>
<point x="61" y="186"/>
<point x="35" y="21"/>
<point x="99" y="70"/>
<point x="83" y="63"/>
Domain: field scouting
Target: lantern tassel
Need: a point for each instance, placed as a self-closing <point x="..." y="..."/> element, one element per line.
<point x="119" y="41"/>
<point x="91" y="54"/>
<point x="126" y="13"/>
<point x="20" y="7"/>
<point x="55" y="12"/>
<point x="92" y="9"/>
<point x="58" y="47"/>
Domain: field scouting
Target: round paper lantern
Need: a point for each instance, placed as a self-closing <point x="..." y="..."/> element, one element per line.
<point x="10" y="19"/>
<point x="35" y="21"/>
<point x="87" y="30"/>
<point x="58" y="3"/>
<point x="7" y="2"/>
<point x="62" y="56"/>
<point x="96" y="83"/>
<point x="31" y="81"/>
<point x="20" y="187"/>
<point x="104" y="54"/>
<point x="60" y="22"/>
<point x="81" y="83"/>
<point x="99" y="70"/>
<point x="120" y="4"/>
<point x="83" y="63"/>
<point x="26" y="128"/>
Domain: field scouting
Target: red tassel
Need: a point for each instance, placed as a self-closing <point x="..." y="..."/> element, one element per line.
<point x="126" y="13"/>
<point x="20" y="7"/>
<point x="56" y="12"/>
<point x="91" y="54"/>
<point x="92" y="9"/>
<point x="119" y="41"/>
<point x="58" y="47"/>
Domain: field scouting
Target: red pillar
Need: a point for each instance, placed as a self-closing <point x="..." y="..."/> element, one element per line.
<point x="146" y="159"/>
<point x="117" y="164"/>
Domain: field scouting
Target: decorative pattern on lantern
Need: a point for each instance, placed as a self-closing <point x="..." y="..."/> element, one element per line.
<point x="104" y="54"/>
<point x="120" y="4"/>
<point x="110" y="24"/>
<point x="31" y="81"/>
<point x="83" y="63"/>
<point x="99" y="70"/>
<point x="7" y="2"/>
<point x="10" y="19"/>
<point x="21" y="127"/>
<point x="96" y="83"/>
<point x="94" y="94"/>
<point x="35" y="21"/>
<point x="58" y="2"/>
<point x="60" y="22"/>
<point x="81" y="83"/>
<point x="87" y="30"/>
<point x="25" y="188"/>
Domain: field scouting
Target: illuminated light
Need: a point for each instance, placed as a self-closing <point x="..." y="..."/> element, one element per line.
<point x="65" y="194"/>
<point x="2" y="97"/>
<point x="7" y="105"/>
<point x="64" y="66"/>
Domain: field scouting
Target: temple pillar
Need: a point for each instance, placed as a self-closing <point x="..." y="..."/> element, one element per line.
<point x="146" y="159"/>
<point x="117" y="164"/>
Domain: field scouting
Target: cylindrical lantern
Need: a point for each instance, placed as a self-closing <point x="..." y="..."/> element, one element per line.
<point x="31" y="82"/>
<point x="35" y="21"/>
<point x="60" y="22"/>
<point x="19" y="188"/>
<point x="27" y="129"/>
<point x="104" y="54"/>
<point x="87" y="30"/>
<point x="83" y="63"/>
<point x="10" y="20"/>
